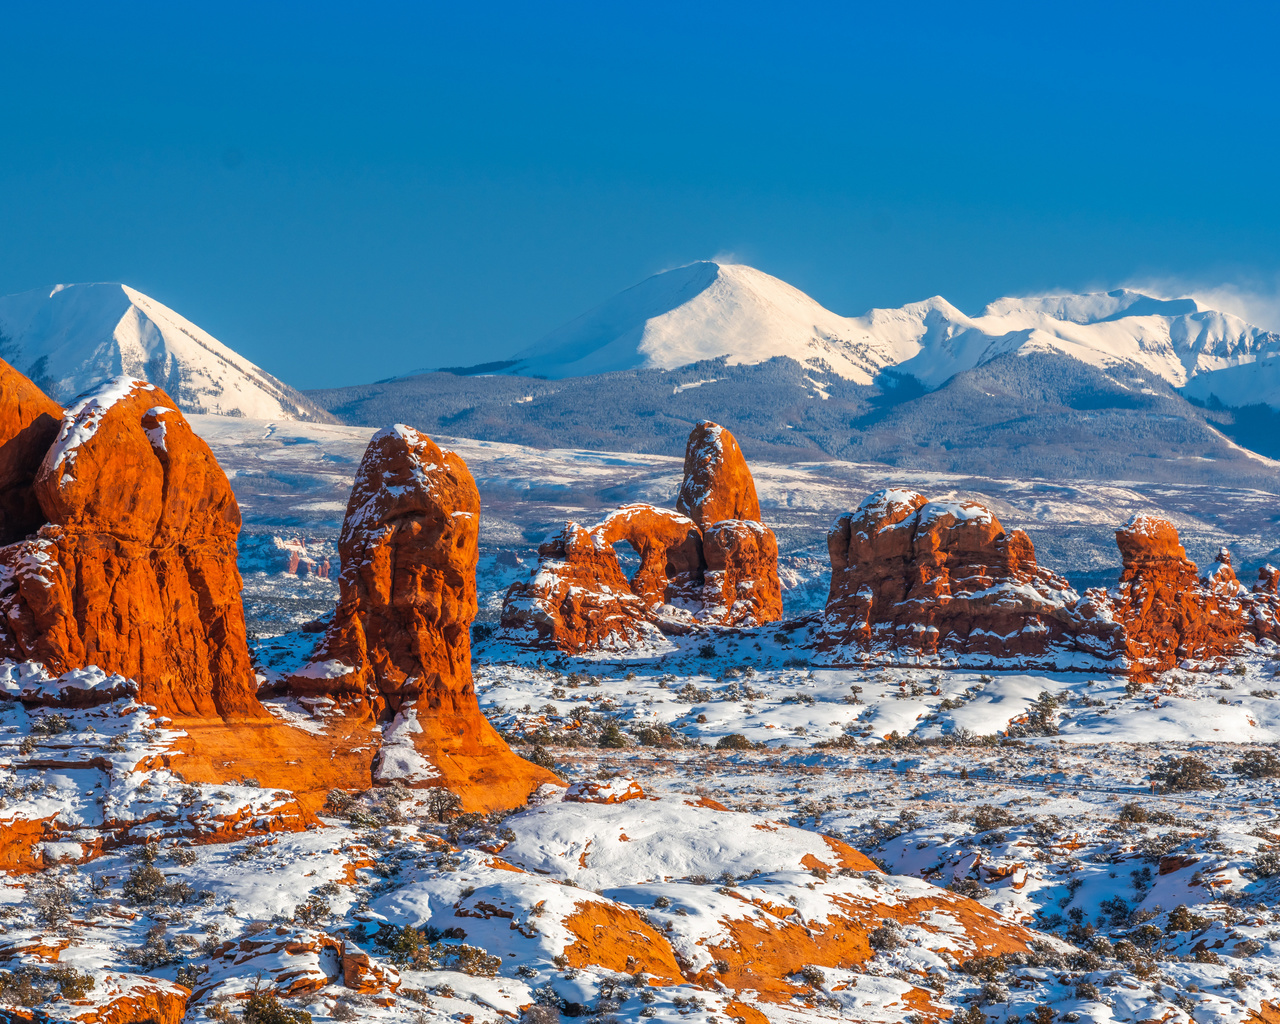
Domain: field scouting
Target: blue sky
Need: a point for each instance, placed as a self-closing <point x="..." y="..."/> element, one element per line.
<point x="345" y="192"/>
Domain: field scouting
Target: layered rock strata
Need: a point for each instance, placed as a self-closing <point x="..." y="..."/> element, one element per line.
<point x="919" y="581"/>
<point x="399" y="645"/>
<point x="710" y="562"/>
<point x="132" y="564"/>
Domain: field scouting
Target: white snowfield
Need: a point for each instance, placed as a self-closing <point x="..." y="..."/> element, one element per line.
<point x="69" y="338"/>
<point x="706" y="309"/>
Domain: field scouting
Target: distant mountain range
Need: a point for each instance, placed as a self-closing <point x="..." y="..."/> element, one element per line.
<point x="1114" y="385"/>
<point x="69" y="337"/>
<point x="707" y="310"/>
<point x="1109" y="385"/>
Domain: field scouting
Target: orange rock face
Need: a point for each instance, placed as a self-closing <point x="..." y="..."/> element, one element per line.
<point x="134" y="567"/>
<point x="710" y="562"/>
<point x="920" y="581"/>
<point x="1169" y="614"/>
<point x="29" y="422"/>
<point x="399" y="645"/>
<point x="717" y="482"/>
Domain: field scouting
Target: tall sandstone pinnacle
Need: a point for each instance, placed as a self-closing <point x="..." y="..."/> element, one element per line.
<point x="717" y="482"/>
<point x="131" y="565"/>
<point x="1169" y="614"/>
<point x="399" y="645"/>
<point x="710" y="562"/>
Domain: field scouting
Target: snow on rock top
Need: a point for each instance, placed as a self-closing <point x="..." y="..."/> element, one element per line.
<point x="69" y="338"/>
<point x="85" y="415"/>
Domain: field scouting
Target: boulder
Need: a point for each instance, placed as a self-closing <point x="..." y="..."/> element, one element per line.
<point x="134" y="567"/>
<point x="399" y="645"/>
<point x="919" y="581"/>
<point x="710" y="562"/>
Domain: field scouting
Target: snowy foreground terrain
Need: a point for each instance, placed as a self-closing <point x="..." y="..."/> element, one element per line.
<point x="1133" y="828"/>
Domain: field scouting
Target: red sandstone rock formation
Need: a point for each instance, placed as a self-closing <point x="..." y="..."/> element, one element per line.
<point x="710" y="562"/>
<point x="400" y="641"/>
<point x="920" y="581"/>
<point x="134" y="567"/>
<point x="1168" y="613"/>
<point x="717" y="482"/>
<point x="29" y="422"/>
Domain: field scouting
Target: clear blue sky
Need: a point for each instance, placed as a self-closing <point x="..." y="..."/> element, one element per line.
<point x="345" y="192"/>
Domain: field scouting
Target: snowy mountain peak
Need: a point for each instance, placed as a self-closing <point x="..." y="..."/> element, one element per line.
<point x="71" y="337"/>
<point x="707" y="309"/>
<point x="701" y="311"/>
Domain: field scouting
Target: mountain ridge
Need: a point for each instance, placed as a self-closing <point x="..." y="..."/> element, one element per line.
<point x="70" y="337"/>
<point x="705" y="310"/>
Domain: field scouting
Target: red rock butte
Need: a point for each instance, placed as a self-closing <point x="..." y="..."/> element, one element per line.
<point x="712" y="562"/>
<point x="399" y="647"/>
<point x="915" y="581"/>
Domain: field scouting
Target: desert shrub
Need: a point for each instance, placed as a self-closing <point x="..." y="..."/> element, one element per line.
<point x="1184" y="775"/>
<point x="971" y="1015"/>
<point x="611" y="736"/>
<point x="537" y="754"/>
<point x="1181" y="919"/>
<point x="50" y="725"/>
<point x="441" y="803"/>
<point x="315" y="911"/>
<point x="987" y="817"/>
<point x="733" y="741"/>
<point x="887" y="937"/>
<point x="690" y="694"/>
<point x="1267" y="863"/>
<point x="1257" y="764"/>
<point x="813" y="976"/>
<point x="30" y="985"/>
<point x="53" y="901"/>
<point x="707" y="651"/>
<point x="659" y="735"/>
<point x="146" y="885"/>
<point x="155" y="952"/>
<point x="264" y="1007"/>
<point x="1042" y="717"/>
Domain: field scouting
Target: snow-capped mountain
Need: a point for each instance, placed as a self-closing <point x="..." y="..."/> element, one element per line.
<point x="702" y="311"/>
<point x="70" y="337"/>
<point x="706" y="309"/>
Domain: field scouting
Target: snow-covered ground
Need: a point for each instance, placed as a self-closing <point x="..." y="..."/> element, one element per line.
<point x="1133" y="828"/>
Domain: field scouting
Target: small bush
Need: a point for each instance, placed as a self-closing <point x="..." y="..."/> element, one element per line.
<point x="264" y="1007"/>
<point x="611" y="737"/>
<point x="29" y="985"/>
<point x="733" y="741"/>
<point x="1184" y="775"/>
<point x="539" y="755"/>
<point x="1257" y="764"/>
<point x="442" y="803"/>
<point x="50" y="725"/>
<point x="887" y="937"/>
